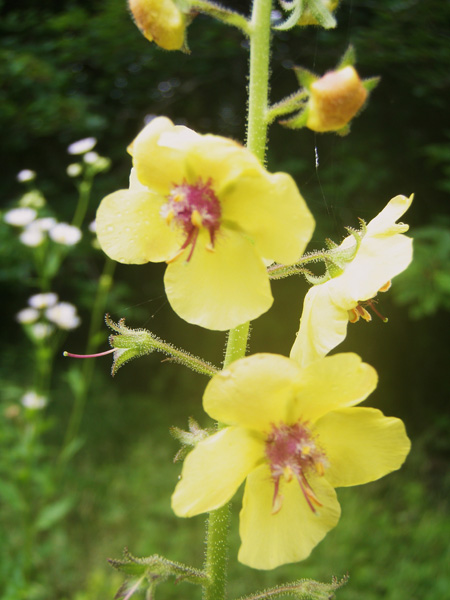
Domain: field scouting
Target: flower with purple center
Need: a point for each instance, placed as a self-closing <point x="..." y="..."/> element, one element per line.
<point x="294" y="434"/>
<point x="206" y="206"/>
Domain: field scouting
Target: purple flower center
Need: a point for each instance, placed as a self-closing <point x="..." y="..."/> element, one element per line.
<point x="292" y="451"/>
<point x="192" y="207"/>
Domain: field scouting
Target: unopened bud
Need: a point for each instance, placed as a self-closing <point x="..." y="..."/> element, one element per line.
<point x="312" y="17"/>
<point x="160" y="21"/>
<point x="335" y="99"/>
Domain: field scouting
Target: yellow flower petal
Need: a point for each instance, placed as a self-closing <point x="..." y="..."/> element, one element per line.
<point x="270" y="209"/>
<point x="214" y="470"/>
<point x="270" y="540"/>
<point x="378" y="260"/>
<point x="220" y="159"/>
<point x="323" y="325"/>
<point x="361" y="445"/>
<point x="219" y="288"/>
<point x="384" y="224"/>
<point x="159" y="154"/>
<point x="330" y="383"/>
<point x="253" y="392"/>
<point x="131" y="230"/>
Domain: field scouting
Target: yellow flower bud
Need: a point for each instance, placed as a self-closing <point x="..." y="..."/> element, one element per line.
<point x="160" y="21"/>
<point x="335" y="99"/>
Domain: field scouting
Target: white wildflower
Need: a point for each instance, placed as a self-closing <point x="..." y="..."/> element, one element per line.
<point x="65" y="234"/>
<point x="32" y="236"/>
<point x="74" y="170"/>
<point x="91" y="158"/>
<point x="45" y="224"/>
<point x="27" y="315"/>
<point x="33" y="401"/>
<point x="64" y="315"/>
<point x="43" y="300"/>
<point x="19" y="217"/>
<point x="26" y="175"/>
<point x="41" y="331"/>
<point x="82" y="146"/>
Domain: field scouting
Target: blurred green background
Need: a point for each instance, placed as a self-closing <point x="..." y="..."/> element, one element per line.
<point x="72" y="69"/>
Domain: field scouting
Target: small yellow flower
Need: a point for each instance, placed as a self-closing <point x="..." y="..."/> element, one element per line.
<point x="206" y="206"/>
<point x="161" y="21"/>
<point x="295" y="434"/>
<point x="384" y="252"/>
<point x="335" y="99"/>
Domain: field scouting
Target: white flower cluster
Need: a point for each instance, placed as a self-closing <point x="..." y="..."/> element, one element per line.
<point x="34" y="230"/>
<point x="26" y="175"/>
<point x="90" y="158"/>
<point x="44" y="312"/>
<point x="33" y="401"/>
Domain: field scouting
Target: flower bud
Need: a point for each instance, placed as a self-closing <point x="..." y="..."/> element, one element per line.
<point x="160" y="21"/>
<point x="335" y="99"/>
<point x="309" y="18"/>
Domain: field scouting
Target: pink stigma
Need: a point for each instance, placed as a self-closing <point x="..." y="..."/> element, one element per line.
<point x="70" y="355"/>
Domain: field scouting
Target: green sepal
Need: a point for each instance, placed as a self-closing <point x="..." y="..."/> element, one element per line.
<point x="296" y="7"/>
<point x="297" y="121"/>
<point x="321" y="13"/>
<point x="305" y="77"/>
<point x="344" y="130"/>
<point x="303" y="589"/>
<point x="348" y="59"/>
<point x="158" y="568"/>
<point x="330" y="244"/>
<point x="371" y="83"/>
<point x="188" y="439"/>
<point x="337" y="258"/>
<point x="129" y="343"/>
<point x="317" y="279"/>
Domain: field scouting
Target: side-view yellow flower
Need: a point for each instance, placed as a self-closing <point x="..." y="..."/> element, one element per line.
<point x="295" y="434"/>
<point x="161" y="21"/>
<point x="383" y="253"/>
<point x="206" y="206"/>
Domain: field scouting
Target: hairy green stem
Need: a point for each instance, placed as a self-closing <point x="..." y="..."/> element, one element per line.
<point x="221" y="13"/>
<point x="219" y="520"/>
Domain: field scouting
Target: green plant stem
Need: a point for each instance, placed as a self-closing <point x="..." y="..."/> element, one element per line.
<point x="83" y="198"/>
<point x="219" y="520"/>
<point x="258" y="89"/>
<point x="221" y="13"/>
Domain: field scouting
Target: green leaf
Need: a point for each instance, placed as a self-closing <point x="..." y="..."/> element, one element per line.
<point x="50" y="515"/>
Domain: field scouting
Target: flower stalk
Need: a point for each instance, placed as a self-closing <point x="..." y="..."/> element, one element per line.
<point x="219" y="520"/>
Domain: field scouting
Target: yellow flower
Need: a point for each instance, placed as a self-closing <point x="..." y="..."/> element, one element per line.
<point x="206" y="206"/>
<point x="384" y="252"/>
<point x="160" y="21"/>
<point x="335" y="99"/>
<point x="294" y="434"/>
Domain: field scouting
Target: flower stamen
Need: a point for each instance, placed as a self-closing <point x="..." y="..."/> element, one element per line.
<point x="192" y="207"/>
<point x="358" y="311"/>
<point x="292" y="451"/>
